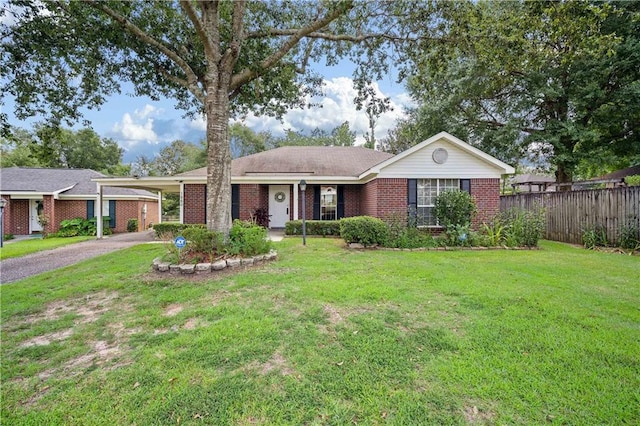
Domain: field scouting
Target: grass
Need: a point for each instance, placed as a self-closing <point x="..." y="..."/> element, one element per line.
<point x="33" y="245"/>
<point x="329" y="336"/>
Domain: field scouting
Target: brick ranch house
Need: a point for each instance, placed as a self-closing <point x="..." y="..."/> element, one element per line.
<point x="62" y="194"/>
<point x="342" y="182"/>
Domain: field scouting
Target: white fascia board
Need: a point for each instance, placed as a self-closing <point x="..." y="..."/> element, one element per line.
<point x="56" y="194"/>
<point x="25" y="195"/>
<point x="108" y="197"/>
<point x="504" y="168"/>
<point x="289" y="180"/>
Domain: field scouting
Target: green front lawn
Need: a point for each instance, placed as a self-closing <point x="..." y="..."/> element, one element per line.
<point x="32" y="245"/>
<point x="329" y="336"/>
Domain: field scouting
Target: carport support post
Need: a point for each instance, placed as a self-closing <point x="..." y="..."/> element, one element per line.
<point x="98" y="210"/>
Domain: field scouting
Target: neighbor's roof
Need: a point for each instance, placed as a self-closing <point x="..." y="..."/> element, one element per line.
<point x="68" y="182"/>
<point x="623" y="173"/>
<point x="305" y="160"/>
<point x="530" y="178"/>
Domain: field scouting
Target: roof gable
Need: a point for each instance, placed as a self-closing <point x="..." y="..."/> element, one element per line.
<point x="463" y="160"/>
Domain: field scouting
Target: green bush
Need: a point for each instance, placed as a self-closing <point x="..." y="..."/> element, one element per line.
<point x="494" y="232"/>
<point x="629" y="236"/>
<point x="173" y="229"/>
<point x="523" y="228"/>
<point x="633" y="180"/>
<point x="402" y="235"/>
<point x="594" y="236"/>
<point x="459" y="236"/>
<point x="202" y="240"/>
<point x="132" y="225"/>
<point x="81" y="227"/>
<point x="248" y="239"/>
<point x="454" y="208"/>
<point x="314" y="227"/>
<point x="365" y="230"/>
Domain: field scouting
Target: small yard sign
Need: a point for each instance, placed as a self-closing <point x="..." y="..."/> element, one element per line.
<point x="180" y="242"/>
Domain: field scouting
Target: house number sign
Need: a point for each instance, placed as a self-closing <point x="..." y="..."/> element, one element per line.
<point x="279" y="196"/>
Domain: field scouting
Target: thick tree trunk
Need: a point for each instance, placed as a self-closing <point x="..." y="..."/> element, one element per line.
<point x="218" y="162"/>
<point x="563" y="175"/>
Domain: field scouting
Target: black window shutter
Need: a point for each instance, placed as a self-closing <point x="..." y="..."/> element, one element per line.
<point x="465" y="185"/>
<point x="235" y="201"/>
<point x="412" y="198"/>
<point x="340" y="213"/>
<point x="90" y="209"/>
<point x="112" y="213"/>
<point x="316" y="202"/>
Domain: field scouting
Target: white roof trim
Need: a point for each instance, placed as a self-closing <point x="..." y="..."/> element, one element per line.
<point x="505" y="168"/>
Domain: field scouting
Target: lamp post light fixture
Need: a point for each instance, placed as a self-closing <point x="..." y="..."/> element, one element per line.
<point x="303" y="188"/>
<point x="3" y="204"/>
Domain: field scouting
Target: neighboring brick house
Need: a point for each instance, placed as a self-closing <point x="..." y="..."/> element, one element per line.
<point x="344" y="182"/>
<point x="62" y="194"/>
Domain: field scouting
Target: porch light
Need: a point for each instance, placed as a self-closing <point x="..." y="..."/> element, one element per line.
<point x="303" y="188"/>
<point x="3" y="204"/>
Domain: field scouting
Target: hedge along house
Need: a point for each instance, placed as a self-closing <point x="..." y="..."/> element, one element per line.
<point x="343" y="182"/>
<point x="61" y="194"/>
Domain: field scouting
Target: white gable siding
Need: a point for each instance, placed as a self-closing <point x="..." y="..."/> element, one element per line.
<point x="460" y="164"/>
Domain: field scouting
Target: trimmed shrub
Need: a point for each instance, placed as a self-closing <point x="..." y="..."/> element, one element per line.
<point x="174" y="228"/>
<point x="132" y="225"/>
<point x="314" y="227"/>
<point x="365" y="230"/>
<point x="454" y="208"/>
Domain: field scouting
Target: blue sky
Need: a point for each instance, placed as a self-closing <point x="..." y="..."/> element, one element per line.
<point x="143" y="126"/>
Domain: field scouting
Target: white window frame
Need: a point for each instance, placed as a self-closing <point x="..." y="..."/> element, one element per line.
<point x="329" y="202"/>
<point x="427" y="202"/>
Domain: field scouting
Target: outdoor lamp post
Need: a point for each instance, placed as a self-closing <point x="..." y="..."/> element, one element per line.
<point x="3" y="203"/>
<point x="303" y="188"/>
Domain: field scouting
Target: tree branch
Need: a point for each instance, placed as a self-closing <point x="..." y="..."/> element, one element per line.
<point x="248" y="75"/>
<point x="192" y="79"/>
<point x="210" y="49"/>
<point x="230" y="57"/>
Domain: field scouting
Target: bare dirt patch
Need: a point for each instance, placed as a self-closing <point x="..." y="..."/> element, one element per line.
<point x="89" y="307"/>
<point x="474" y="415"/>
<point x="277" y="363"/>
<point x="47" y="339"/>
<point x="173" y="310"/>
<point x="333" y="314"/>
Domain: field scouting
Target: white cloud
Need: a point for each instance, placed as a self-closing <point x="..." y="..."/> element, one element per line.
<point x="136" y="128"/>
<point x="336" y="106"/>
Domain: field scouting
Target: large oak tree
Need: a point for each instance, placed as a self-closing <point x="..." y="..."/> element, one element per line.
<point x="557" y="80"/>
<point x="215" y="58"/>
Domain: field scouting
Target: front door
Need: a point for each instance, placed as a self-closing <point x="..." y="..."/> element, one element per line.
<point x="278" y="205"/>
<point x="36" y="208"/>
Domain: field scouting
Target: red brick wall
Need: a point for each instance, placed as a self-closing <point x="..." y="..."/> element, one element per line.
<point x="64" y="210"/>
<point x="16" y="217"/>
<point x="308" y="200"/>
<point x="49" y="211"/>
<point x="486" y="193"/>
<point x="369" y="199"/>
<point x="392" y="196"/>
<point x="132" y="209"/>
<point x="250" y="200"/>
<point x="352" y="195"/>
<point x="194" y="203"/>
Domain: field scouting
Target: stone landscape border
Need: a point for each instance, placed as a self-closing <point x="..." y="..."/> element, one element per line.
<point x="208" y="268"/>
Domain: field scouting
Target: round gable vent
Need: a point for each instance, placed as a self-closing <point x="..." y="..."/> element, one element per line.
<point x="440" y="155"/>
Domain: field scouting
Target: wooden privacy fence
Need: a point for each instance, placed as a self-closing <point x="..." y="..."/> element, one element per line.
<point x="568" y="214"/>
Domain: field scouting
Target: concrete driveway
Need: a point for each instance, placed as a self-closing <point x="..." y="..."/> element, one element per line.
<point x="18" y="268"/>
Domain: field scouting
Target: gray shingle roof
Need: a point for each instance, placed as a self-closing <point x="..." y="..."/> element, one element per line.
<point x="48" y="181"/>
<point x="304" y="160"/>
